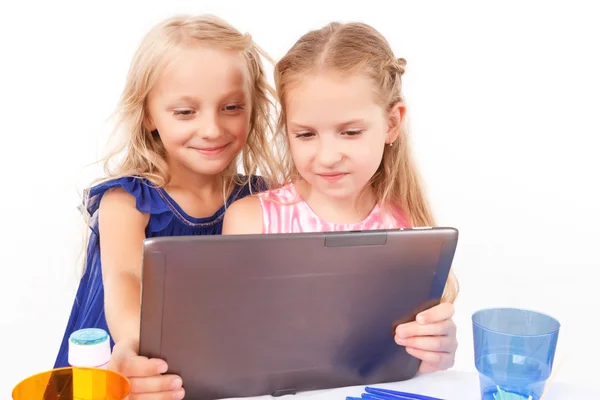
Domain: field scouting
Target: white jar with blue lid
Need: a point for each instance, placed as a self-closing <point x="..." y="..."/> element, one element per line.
<point x="89" y="348"/>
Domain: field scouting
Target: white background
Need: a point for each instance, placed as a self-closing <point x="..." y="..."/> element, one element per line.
<point x="503" y="100"/>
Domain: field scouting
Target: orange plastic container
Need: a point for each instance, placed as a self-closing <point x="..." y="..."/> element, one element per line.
<point x="73" y="384"/>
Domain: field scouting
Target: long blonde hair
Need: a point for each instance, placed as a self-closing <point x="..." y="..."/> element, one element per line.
<point x="358" y="48"/>
<point x="140" y="153"/>
<point x="144" y="154"/>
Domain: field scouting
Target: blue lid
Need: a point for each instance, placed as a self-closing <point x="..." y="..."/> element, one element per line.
<point x="88" y="336"/>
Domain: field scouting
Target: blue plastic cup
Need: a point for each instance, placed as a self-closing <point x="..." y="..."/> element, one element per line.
<point x="514" y="352"/>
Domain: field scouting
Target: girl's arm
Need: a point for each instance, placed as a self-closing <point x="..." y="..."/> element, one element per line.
<point x="243" y="217"/>
<point x="122" y="232"/>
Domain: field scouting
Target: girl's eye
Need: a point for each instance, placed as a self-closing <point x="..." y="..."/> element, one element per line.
<point x="352" y="133"/>
<point x="234" y="107"/>
<point x="304" y="135"/>
<point x="184" y="113"/>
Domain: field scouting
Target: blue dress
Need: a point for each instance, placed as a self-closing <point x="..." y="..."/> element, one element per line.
<point x="166" y="219"/>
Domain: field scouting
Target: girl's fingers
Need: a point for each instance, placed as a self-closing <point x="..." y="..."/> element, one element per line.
<point x="426" y="368"/>
<point x="155" y="384"/>
<point x="446" y="344"/>
<point x="438" y="360"/>
<point x="411" y="329"/>
<point x="158" y="396"/>
<point x="441" y="312"/>
<point x="137" y="366"/>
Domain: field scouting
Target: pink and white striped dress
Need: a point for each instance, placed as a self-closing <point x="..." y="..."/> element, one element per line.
<point x="284" y="211"/>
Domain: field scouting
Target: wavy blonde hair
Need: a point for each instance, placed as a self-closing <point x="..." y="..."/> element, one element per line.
<point x="141" y="153"/>
<point x="144" y="154"/>
<point x="354" y="48"/>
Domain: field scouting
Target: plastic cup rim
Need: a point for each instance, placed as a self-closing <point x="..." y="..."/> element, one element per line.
<point x="49" y="371"/>
<point x="552" y="332"/>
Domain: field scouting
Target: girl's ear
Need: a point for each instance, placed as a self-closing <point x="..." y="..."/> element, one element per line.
<point x="395" y="120"/>
<point x="148" y="123"/>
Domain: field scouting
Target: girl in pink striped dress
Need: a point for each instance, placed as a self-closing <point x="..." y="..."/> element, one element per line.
<point x="347" y="160"/>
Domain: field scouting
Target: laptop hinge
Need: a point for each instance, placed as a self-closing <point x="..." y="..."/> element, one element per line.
<point x="355" y="238"/>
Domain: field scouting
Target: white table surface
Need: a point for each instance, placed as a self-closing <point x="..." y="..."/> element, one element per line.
<point x="447" y="385"/>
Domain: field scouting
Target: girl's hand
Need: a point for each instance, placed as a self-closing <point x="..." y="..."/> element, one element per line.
<point x="144" y="373"/>
<point x="431" y="338"/>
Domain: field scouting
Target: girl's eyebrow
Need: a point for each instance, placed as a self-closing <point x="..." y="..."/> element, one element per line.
<point x="192" y="100"/>
<point x="340" y="126"/>
<point x="300" y="126"/>
<point x="183" y="100"/>
<point x="235" y="92"/>
<point x="352" y="122"/>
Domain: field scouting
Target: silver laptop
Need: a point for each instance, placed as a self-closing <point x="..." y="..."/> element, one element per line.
<point x="276" y="314"/>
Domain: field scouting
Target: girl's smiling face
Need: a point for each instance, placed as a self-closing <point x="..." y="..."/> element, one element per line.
<point x="201" y="108"/>
<point x="337" y="132"/>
